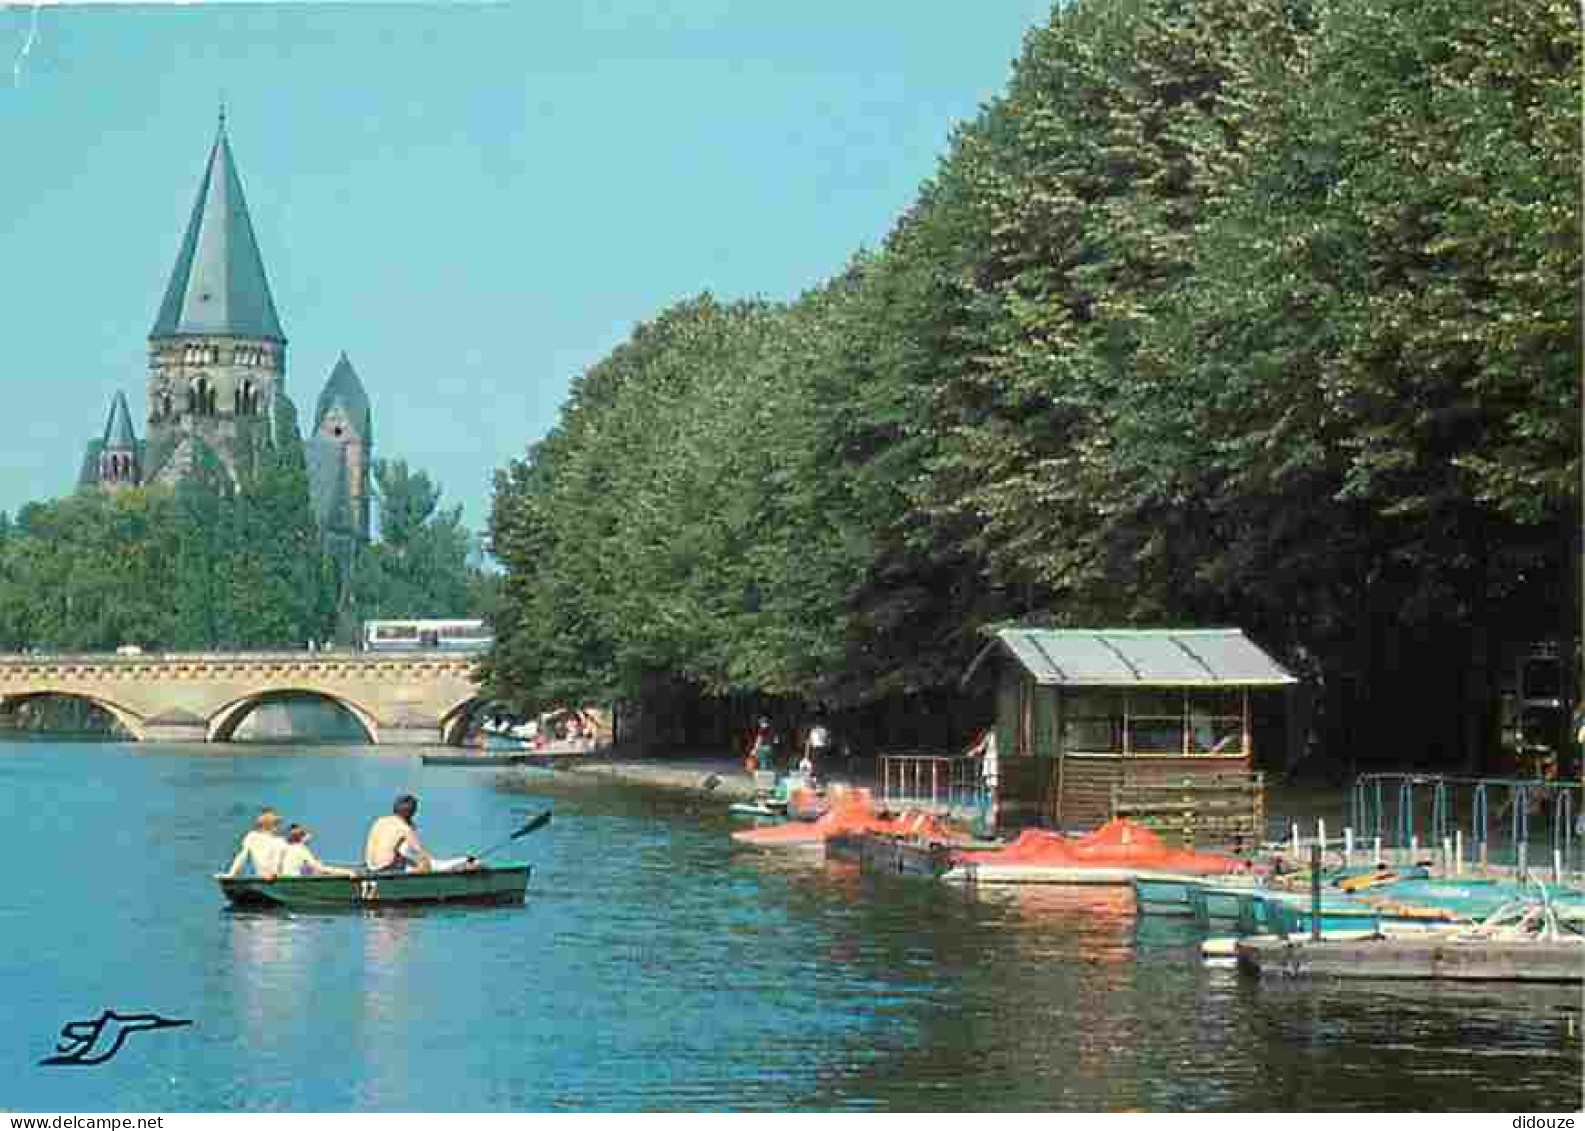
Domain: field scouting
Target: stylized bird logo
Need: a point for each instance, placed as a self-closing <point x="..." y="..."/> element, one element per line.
<point x="81" y="1036"/>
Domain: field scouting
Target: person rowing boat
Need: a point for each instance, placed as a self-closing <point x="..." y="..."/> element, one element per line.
<point x="393" y="845"/>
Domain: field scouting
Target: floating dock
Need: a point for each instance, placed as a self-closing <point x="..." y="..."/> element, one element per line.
<point x="875" y="853"/>
<point x="1438" y="956"/>
<point x="982" y="872"/>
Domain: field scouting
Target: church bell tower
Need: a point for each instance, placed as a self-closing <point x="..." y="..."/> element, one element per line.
<point x="217" y="355"/>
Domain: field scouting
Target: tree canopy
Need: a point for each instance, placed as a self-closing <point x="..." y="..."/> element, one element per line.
<point x="1231" y="311"/>
<point x="217" y="565"/>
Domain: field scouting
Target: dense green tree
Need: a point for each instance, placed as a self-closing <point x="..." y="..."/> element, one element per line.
<point x="206" y="565"/>
<point x="85" y="573"/>
<point x="280" y="579"/>
<point x="203" y="510"/>
<point x="1249" y="312"/>
<point x="1383" y="371"/>
<point x="424" y="563"/>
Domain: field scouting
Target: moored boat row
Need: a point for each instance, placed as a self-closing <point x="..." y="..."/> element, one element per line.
<point x="1373" y="922"/>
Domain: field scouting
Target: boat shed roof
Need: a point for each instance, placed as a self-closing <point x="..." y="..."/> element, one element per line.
<point x="1136" y="657"/>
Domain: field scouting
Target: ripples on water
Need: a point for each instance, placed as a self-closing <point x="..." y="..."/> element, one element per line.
<point x="657" y="966"/>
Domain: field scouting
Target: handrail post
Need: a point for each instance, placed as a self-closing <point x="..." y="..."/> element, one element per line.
<point x="1381" y="809"/>
<point x="1315" y="892"/>
<point x="1564" y="817"/>
<point x="1479" y="819"/>
<point x="1521" y="805"/>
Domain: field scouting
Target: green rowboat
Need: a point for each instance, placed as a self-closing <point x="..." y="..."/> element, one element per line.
<point x="379" y="889"/>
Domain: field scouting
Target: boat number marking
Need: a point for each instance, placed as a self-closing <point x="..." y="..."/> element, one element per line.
<point x="368" y="889"/>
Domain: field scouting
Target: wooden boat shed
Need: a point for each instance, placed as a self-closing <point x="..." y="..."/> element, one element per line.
<point x="1083" y="712"/>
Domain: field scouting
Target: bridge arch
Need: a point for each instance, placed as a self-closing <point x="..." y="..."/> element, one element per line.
<point x="130" y="720"/>
<point x="454" y="720"/>
<point x="223" y="724"/>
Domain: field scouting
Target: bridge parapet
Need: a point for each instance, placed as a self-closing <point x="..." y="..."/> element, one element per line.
<point x="398" y="697"/>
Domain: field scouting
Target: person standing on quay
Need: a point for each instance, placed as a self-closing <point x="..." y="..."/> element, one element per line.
<point x="761" y="748"/>
<point x="990" y="774"/>
<point x="817" y="746"/>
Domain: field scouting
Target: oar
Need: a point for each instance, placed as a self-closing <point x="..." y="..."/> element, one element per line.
<point x="533" y="824"/>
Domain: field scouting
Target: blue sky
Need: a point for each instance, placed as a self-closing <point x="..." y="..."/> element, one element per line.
<point x="475" y="201"/>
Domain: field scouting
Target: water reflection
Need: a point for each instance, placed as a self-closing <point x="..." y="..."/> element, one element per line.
<point x="390" y="928"/>
<point x="385" y="1007"/>
<point x="266" y="971"/>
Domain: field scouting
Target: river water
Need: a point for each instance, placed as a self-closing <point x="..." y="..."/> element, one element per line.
<point x="655" y="967"/>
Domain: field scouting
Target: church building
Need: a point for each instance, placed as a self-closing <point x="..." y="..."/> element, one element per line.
<point x="217" y="376"/>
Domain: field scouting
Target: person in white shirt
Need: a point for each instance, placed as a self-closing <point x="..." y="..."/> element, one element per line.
<point x="990" y="774"/>
<point x="299" y="859"/>
<point x="263" y="847"/>
<point x="817" y="746"/>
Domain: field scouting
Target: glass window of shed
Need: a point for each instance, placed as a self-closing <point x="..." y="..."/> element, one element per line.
<point x="1217" y="704"/>
<point x="1092" y="722"/>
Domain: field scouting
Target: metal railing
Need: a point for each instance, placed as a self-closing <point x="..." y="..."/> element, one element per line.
<point x="1502" y="820"/>
<point x="938" y="783"/>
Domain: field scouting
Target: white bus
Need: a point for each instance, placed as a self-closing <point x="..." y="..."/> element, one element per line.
<point x="425" y="635"/>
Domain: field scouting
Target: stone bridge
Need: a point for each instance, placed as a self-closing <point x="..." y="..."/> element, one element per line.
<point x="399" y="698"/>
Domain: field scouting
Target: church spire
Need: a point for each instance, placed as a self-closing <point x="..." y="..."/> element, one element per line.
<point x="344" y="391"/>
<point x="218" y="286"/>
<point x="118" y="428"/>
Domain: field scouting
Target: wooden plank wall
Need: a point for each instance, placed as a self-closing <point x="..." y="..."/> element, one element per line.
<point x="1228" y="808"/>
<point x="1089" y="784"/>
<point x="1225" y="808"/>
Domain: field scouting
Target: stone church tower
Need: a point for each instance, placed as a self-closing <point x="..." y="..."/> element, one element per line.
<point x="217" y="356"/>
<point x="344" y="433"/>
<point x="217" y="377"/>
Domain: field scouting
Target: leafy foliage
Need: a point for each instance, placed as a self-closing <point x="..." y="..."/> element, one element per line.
<point x="212" y="565"/>
<point x="423" y="564"/>
<point x="1253" y="311"/>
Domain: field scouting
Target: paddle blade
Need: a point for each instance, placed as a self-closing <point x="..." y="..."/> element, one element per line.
<point x="534" y="824"/>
